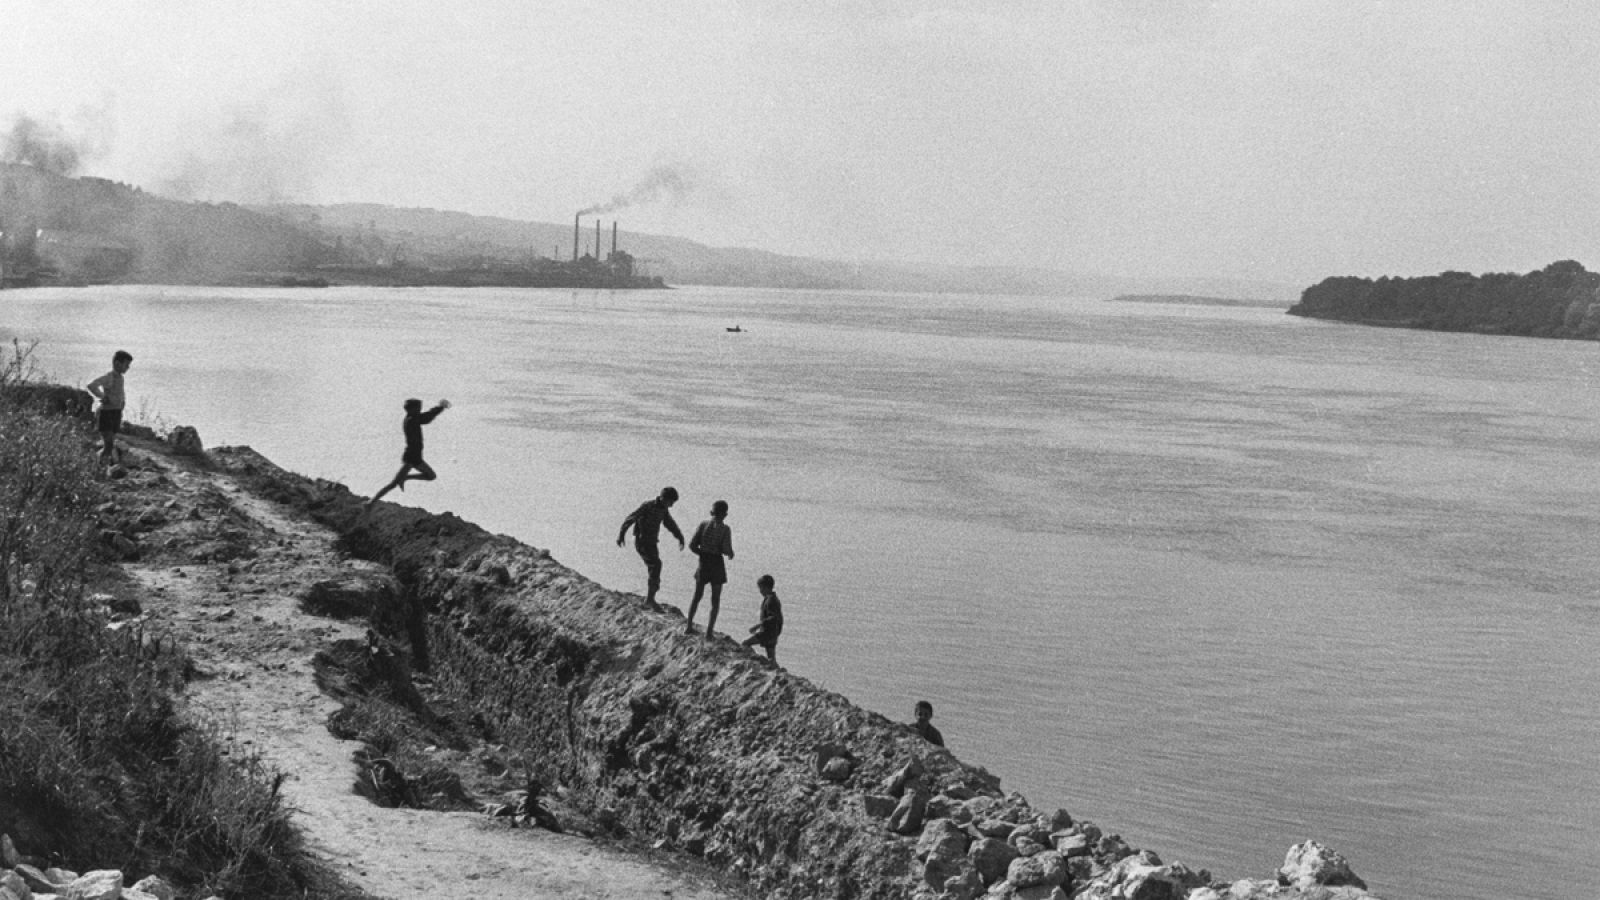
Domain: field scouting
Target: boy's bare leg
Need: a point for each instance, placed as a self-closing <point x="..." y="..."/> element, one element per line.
<point x="694" y="604"/>
<point x="398" y="481"/>
<point x="716" y="606"/>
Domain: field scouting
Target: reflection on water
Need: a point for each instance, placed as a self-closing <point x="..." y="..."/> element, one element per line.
<point x="1217" y="579"/>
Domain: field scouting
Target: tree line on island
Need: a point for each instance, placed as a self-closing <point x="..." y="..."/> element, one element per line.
<point x="1562" y="300"/>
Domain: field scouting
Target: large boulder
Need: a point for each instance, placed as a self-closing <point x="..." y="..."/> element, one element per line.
<point x="1044" y="868"/>
<point x="941" y="837"/>
<point x="992" y="857"/>
<point x="1310" y="864"/>
<point x="1143" y="876"/>
<point x="185" y="441"/>
<point x="37" y="881"/>
<point x="12" y="887"/>
<point x="833" y="762"/>
<point x="895" y="785"/>
<point x="355" y="595"/>
<point x="943" y="850"/>
<point x="907" y="817"/>
<point x="101" y="884"/>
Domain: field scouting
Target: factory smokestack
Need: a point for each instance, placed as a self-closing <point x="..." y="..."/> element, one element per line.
<point x="596" y="238"/>
<point x="575" y="238"/>
<point x="613" y="237"/>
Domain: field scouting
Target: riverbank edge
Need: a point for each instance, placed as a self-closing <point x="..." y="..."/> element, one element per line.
<point x="707" y="748"/>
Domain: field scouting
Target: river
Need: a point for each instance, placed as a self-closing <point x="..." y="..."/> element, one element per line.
<point x="1218" y="579"/>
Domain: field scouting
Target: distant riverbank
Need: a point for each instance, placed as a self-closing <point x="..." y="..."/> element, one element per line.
<point x="1560" y="301"/>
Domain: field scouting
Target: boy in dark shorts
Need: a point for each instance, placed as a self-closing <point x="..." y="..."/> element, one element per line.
<point x="109" y="391"/>
<point x="711" y="542"/>
<point x="765" y="632"/>
<point x="412" y="457"/>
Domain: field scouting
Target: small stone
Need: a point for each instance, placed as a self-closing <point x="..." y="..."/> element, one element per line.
<point x="1027" y="846"/>
<point x="837" y="769"/>
<point x="156" y="887"/>
<point x="1112" y="847"/>
<point x="36" y="880"/>
<point x="959" y="792"/>
<point x="936" y="872"/>
<point x="994" y="828"/>
<point x="101" y="884"/>
<point x="1071" y="844"/>
<point x="12" y="883"/>
<point x="966" y="886"/>
<point x="878" y="806"/>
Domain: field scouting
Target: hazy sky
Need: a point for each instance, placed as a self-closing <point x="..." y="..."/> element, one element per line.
<point x="1280" y="140"/>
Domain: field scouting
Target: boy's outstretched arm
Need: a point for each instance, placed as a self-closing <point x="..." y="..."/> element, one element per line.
<point x="432" y="414"/>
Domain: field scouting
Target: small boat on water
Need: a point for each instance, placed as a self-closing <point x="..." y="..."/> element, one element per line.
<point x="736" y="329"/>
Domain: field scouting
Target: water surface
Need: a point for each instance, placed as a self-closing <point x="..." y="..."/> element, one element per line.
<point x="1218" y="579"/>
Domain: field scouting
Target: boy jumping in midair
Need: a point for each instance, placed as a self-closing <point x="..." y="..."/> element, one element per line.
<point x="412" y="458"/>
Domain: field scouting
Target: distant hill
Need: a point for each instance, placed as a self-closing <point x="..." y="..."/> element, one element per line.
<point x="1561" y="300"/>
<point x="58" y="229"/>
<point x="77" y="230"/>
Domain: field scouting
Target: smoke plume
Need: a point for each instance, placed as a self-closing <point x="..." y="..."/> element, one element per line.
<point x="274" y="148"/>
<point x="670" y="182"/>
<point x="42" y="146"/>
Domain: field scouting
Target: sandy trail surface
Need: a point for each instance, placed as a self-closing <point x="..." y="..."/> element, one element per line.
<point x="241" y="622"/>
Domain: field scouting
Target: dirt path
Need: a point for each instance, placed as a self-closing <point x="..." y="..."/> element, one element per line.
<point x="240" y="619"/>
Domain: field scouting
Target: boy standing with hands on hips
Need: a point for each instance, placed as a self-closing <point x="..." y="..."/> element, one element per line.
<point x="112" y="396"/>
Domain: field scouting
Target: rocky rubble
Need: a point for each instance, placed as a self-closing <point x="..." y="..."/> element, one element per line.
<point x="22" y="878"/>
